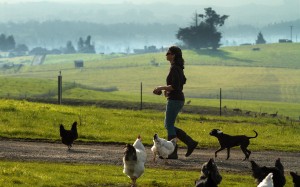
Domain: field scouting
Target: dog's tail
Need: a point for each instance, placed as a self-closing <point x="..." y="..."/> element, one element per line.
<point x="256" y="134"/>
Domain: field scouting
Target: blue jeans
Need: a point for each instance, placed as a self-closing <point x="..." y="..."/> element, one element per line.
<point x="172" y="109"/>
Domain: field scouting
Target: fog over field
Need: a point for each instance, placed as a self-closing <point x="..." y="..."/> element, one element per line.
<point x="254" y="12"/>
<point x="246" y="19"/>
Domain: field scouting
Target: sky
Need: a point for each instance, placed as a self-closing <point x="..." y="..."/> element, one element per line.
<point x="196" y="2"/>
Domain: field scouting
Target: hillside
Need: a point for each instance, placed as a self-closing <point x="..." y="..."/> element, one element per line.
<point x="249" y="79"/>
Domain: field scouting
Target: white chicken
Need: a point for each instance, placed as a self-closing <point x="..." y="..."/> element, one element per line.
<point x="134" y="160"/>
<point x="267" y="182"/>
<point x="162" y="147"/>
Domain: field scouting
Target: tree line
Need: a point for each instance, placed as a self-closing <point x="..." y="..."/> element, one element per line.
<point x="8" y="44"/>
<point x="204" y="33"/>
<point x="55" y="33"/>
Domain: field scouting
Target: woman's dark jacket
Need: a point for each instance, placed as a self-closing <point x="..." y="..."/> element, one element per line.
<point x="177" y="79"/>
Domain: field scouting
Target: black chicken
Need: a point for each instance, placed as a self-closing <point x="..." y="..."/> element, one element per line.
<point x="296" y="179"/>
<point x="68" y="136"/>
<point x="260" y="172"/>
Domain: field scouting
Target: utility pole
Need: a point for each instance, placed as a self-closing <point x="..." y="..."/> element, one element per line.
<point x="220" y="101"/>
<point x="291" y="33"/>
<point x="196" y="18"/>
<point x="141" y="106"/>
<point x="59" y="87"/>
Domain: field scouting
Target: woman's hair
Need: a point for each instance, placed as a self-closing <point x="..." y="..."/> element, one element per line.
<point x="178" y="60"/>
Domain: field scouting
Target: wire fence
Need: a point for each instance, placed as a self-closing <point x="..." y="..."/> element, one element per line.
<point x="239" y="97"/>
<point x="238" y="94"/>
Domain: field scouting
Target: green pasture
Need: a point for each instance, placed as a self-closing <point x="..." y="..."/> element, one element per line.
<point x="266" y="80"/>
<point x="22" y="119"/>
<point x="26" y="120"/>
<point x="280" y="55"/>
<point x="12" y="87"/>
<point x="25" y="174"/>
<point x="263" y="81"/>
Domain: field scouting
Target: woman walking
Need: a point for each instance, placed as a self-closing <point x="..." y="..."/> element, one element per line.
<point x="175" y="100"/>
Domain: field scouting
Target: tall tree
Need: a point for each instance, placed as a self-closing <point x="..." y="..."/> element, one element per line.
<point x="69" y="48"/>
<point x="260" y="39"/>
<point x="80" y="45"/>
<point x="88" y="41"/>
<point x="89" y="47"/>
<point x="204" y="35"/>
<point x="2" y="42"/>
<point x="10" y="43"/>
<point x="86" y="46"/>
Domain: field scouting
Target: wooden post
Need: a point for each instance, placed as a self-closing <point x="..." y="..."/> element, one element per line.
<point x="59" y="87"/>
<point x="141" y="107"/>
<point x="220" y="101"/>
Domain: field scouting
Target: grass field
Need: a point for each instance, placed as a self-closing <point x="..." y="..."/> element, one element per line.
<point x="27" y="174"/>
<point x="261" y="81"/>
<point x="22" y="119"/>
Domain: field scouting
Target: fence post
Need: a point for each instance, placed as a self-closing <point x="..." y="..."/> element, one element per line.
<point x="59" y="87"/>
<point x="220" y="101"/>
<point x="141" y="107"/>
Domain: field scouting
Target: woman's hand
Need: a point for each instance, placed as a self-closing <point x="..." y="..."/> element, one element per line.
<point x="166" y="93"/>
<point x="157" y="91"/>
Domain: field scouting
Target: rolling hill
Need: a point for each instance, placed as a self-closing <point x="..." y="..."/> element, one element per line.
<point x="248" y="78"/>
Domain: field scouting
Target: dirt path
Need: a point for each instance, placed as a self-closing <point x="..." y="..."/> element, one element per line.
<point x="112" y="154"/>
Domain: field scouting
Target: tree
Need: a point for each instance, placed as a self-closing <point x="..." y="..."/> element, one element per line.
<point x="260" y="39"/>
<point x="21" y="48"/>
<point x="89" y="48"/>
<point x="205" y="34"/>
<point x="10" y="43"/>
<point x="38" y="51"/>
<point x="2" y="42"/>
<point x="7" y="43"/>
<point x="69" y="48"/>
<point x="88" y="41"/>
<point x="80" y="45"/>
<point x="86" y="46"/>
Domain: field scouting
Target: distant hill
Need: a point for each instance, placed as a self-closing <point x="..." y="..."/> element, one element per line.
<point x="119" y="27"/>
<point x="252" y="14"/>
<point x="129" y="36"/>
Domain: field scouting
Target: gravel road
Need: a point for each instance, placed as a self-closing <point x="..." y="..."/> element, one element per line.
<point x="22" y="150"/>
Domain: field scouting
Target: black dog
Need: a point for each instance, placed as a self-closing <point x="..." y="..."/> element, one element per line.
<point x="296" y="179"/>
<point x="227" y="141"/>
<point x="260" y="172"/>
<point x="210" y="176"/>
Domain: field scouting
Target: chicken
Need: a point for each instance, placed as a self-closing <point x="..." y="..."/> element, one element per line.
<point x="260" y="172"/>
<point x="279" y="166"/>
<point x="162" y="147"/>
<point x="296" y="178"/>
<point x="68" y="136"/>
<point x="134" y="160"/>
<point x="267" y="182"/>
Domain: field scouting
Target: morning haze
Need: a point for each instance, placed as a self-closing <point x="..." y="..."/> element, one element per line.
<point x="161" y="19"/>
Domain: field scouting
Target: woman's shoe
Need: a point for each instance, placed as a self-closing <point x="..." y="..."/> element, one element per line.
<point x="191" y="148"/>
